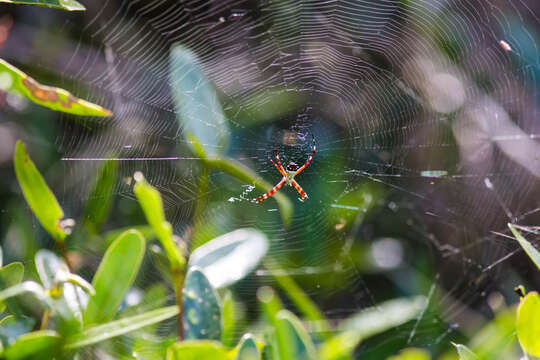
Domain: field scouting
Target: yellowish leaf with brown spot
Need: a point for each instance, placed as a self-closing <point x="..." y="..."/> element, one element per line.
<point x="15" y="81"/>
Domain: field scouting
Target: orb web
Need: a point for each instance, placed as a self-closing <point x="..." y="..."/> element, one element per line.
<point x="429" y="105"/>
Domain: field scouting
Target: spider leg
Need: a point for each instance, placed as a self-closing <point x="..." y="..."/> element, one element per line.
<point x="308" y="160"/>
<point x="270" y="193"/>
<point x="280" y="169"/>
<point x="279" y="163"/>
<point x="300" y="190"/>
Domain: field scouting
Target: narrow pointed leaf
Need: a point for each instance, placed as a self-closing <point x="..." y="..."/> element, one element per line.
<point x="197" y="350"/>
<point x="36" y="344"/>
<point x="299" y="344"/>
<point x="464" y="352"/>
<point x="199" y="112"/>
<point x="528" y="323"/>
<point x="229" y="320"/>
<point x="150" y="200"/>
<point x="279" y="340"/>
<point x="123" y="326"/>
<point x="527" y="246"/>
<point x="202" y="311"/>
<point x="15" y="81"/>
<point x="114" y="277"/>
<point x="230" y="257"/>
<point x="38" y="195"/>
<point x="69" y="5"/>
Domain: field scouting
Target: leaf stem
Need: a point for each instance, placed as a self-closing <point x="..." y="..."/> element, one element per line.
<point x="178" y="277"/>
<point x="200" y="206"/>
<point x="63" y="251"/>
<point x="44" y="320"/>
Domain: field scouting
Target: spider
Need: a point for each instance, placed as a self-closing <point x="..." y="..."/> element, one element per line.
<point x="288" y="173"/>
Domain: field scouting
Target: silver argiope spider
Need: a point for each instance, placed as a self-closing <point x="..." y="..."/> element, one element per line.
<point x="288" y="176"/>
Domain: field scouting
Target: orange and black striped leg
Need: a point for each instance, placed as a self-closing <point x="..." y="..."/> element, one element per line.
<point x="263" y="197"/>
<point x="300" y="191"/>
<point x="281" y="171"/>
<point x="279" y="163"/>
<point x="308" y="160"/>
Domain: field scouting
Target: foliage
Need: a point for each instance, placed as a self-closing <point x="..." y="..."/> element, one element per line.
<point x="70" y="5"/>
<point x="528" y="324"/>
<point x="203" y="123"/>
<point x="70" y="317"/>
<point x="40" y="199"/>
<point x="65" y="296"/>
<point x="530" y="250"/>
<point x="465" y="353"/>
<point x="17" y="82"/>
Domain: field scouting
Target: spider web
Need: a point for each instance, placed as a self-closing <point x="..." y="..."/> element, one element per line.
<point x="433" y="105"/>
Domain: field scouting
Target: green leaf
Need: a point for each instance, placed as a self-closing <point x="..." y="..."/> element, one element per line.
<point x="308" y="308"/>
<point x="464" y="352"/>
<point x="150" y="200"/>
<point x="199" y="112"/>
<point x="369" y="322"/>
<point x="10" y="275"/>
<point x="70" y="5"/>
<point x="272" y="305"/>
<point x="38" y="344"/>
<point x="202" y="312"/>
<point x="247" y="349"/>
<point x="75" y="279"/>
<point x="17" y="82"/>
<point x="497" y="339"/>
<point x="229" y="320"/>
<point x="100" y="196"/>
<point x="411" y="354"/>
<point x="197" y="350"/>
<point x="123" y="326"/>
<point x="527" y="246"/>
<point x="114" y="277"/>
<point x="298" y="344"/>
<point x="528" y="323"/>
<point x="230" y="257"/>
<point x="38" y="195"/>
<point x="6" y="319"/>
<point x="111" y="235"/>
